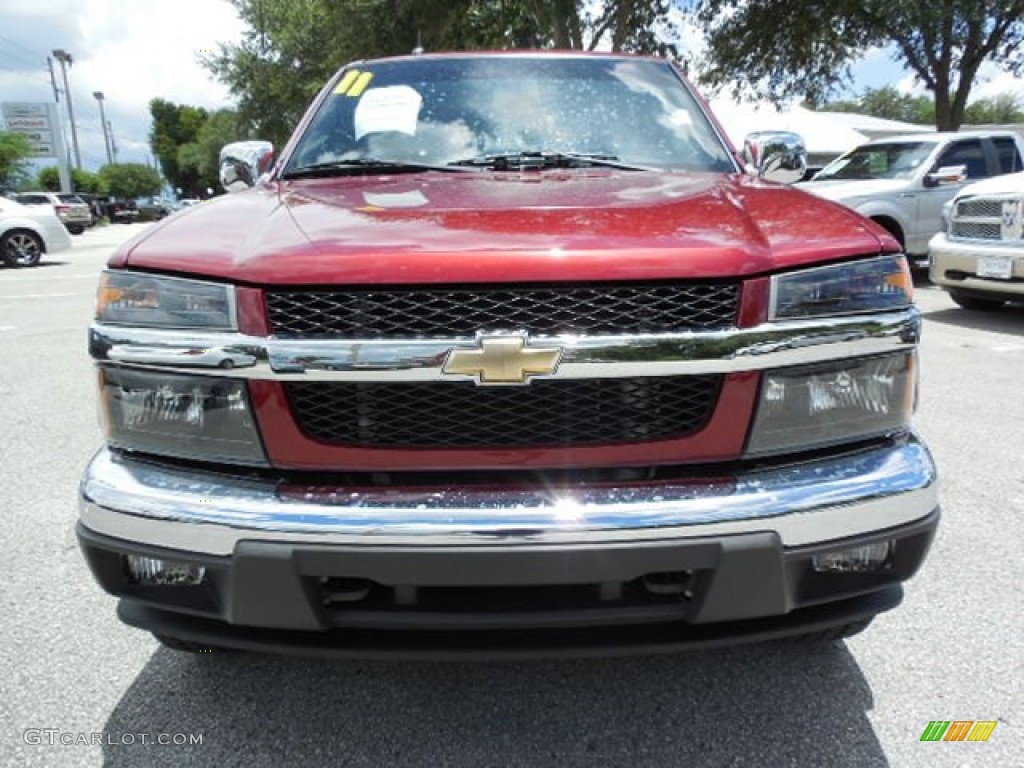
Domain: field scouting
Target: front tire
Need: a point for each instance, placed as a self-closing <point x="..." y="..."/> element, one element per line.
<point x="21" y="248"/>
<point x="972" y="302"/>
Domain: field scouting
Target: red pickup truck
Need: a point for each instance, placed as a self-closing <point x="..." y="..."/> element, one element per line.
<point x="507" y="354"/>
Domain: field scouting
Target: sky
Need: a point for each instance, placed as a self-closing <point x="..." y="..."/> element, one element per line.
<point x="137" y="50"/>
<point x="131" y="50"/>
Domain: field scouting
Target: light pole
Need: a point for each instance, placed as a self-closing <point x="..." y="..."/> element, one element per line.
<point x="98" y="95"/>
<point x="65" y="61"/>
<point x="113" y="144"/>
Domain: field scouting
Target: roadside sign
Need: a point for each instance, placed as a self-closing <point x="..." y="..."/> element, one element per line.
<point x="36" y="121"/>
<point x="39" y="122"/>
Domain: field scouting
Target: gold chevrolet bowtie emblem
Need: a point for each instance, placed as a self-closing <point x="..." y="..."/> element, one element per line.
<point x="502" y="360"/>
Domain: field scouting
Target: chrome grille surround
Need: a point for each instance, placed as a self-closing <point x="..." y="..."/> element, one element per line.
<point x="990" y="218"/>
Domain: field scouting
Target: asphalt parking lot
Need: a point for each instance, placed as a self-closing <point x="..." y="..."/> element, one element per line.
<point x="953" y="651"/>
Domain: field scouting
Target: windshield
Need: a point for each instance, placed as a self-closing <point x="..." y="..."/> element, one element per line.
<point x="71" y="199"/>
<point x="433" y="111"/>
<point x="899" y="160"/>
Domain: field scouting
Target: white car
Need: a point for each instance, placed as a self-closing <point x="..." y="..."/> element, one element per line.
<point x="979" y="259"/>
<point x="902" y="182"/>
<point x="26" y="233"/>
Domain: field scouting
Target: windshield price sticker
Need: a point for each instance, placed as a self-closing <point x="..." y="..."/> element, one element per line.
<point x="393" y="108"/>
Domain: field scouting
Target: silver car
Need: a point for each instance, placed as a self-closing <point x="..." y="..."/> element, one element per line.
<point x="27" y="232"/>
<point x="903" y="182"/>
<point x="72" y="210"/>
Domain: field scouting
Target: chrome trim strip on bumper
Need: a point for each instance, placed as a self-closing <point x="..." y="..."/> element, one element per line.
<point x="805" y="503"/>
<point x="770" y="345"/>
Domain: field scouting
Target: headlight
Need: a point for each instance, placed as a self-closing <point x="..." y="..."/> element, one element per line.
<point x="869" y="285"/>
<point x="133" y="298"/>
<point x="832" y="403"/>
<point x="191" y="417"/>
<point x="947" y="212"/>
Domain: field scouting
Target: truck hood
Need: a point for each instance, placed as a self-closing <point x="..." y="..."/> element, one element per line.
<point x="843" y="190"/>
<point x="502" y="227"/>
<point x="1010" y="184"/>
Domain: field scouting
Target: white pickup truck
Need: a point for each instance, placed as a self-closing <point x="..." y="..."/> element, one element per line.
<point x="903" y="182"/>
<point x="979" y="259"/>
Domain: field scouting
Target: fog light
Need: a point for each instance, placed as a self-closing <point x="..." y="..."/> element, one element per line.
<point x="832" y="403"/>
<point x="871" y="557"/>
<point x="191" y="417"/>
<point x="164" y="573"/>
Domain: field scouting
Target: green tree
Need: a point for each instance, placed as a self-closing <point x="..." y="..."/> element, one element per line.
<point x="83" y="181"/>
<point x="291" y="47"/>
<point x="131" y="180"/>
<point x="786" y="48"/>
<point x="888" y="103"/>
<point x="173" y="126"/>
<point x="15" y="150"/>
<point x="1002" y="109"/>
<point x="201" y="158"/>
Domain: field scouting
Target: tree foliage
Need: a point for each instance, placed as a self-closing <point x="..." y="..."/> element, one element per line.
<point x="1001" y="109"/>
<point x="291" y="47"/>
<point x="187" y="141"/>
<point x="131" y="180"/>
<point x="804" y="48"/>
<point x="173" y="126"/>
<point x="888" y="103"/>
<point x="83" y="181"/>
<point x="15" y="150"/>
<point x="200" y="158"/>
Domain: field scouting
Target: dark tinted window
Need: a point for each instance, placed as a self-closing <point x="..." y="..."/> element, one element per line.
<point x="32" y="199"/>
<point x="969" y="153"/>
<point x="1009" y="156"/>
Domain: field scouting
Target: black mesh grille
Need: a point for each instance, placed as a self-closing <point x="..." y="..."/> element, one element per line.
<point x="548" y="310"/>
<point x="545" y="413"/>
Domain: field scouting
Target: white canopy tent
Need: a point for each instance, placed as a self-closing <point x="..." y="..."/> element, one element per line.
<point x="875" y="127"/>
<point x="824" y="137"/>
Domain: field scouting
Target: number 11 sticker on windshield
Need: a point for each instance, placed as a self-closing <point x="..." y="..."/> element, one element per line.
<point x="353" y="83"/>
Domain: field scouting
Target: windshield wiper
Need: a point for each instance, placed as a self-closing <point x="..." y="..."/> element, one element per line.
<point x="366" y="165"/>
<point x="540" y="159"/>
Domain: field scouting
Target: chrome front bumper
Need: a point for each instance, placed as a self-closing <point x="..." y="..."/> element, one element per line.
<point x="804" y="503"/>
<point x="963" y="256"/>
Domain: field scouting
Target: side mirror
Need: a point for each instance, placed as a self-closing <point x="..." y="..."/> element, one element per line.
<point x="776" y="155"/>
<point x="242" y="163"/>
<point x="946" y="176"/>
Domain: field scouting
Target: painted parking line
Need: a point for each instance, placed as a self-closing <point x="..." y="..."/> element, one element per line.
<point x="41" y="295"/>
<point x="20" y="277"/>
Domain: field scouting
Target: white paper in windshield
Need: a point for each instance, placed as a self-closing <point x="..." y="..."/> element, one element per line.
<point x="393" y="108"/>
